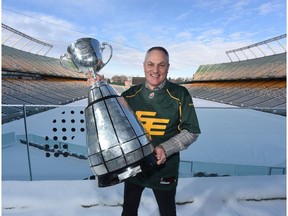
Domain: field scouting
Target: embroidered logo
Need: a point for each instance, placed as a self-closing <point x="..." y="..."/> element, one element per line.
<point x="168" y="180"/>
<point x="154" y="126"/>
<point x="151" y="95"/>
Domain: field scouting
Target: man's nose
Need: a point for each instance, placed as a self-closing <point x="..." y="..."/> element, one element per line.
<point x="155" y="68"/>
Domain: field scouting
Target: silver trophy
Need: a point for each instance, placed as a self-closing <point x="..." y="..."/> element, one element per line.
<point x="118" y="146"/>
<point x="85" y="54"/>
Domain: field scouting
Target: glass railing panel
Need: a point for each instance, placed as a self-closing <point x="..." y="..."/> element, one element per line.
<point x="232" y="136"/>
<point x="205" y="169"/>
<point x="233" y="141"/>
<point x="57" y="143"/>
<point x="15" y="161"/>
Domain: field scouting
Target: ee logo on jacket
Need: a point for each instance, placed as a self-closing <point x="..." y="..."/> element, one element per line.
<point x="154" y="126"/>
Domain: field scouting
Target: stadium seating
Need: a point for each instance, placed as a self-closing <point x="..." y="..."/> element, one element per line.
<point x="258" y="83"/>
<point x="21" y="61"/>
<point x="266" y="67"/>
<point x="262" y="95"/>
<point x="30" y="79"/>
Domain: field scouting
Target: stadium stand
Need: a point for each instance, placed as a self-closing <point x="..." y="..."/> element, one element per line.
<point x="47" y="91"/>
<point x="32" y="79"/>
<point x="258" y="83"/>
<point x="21" y="61"/>
<point x="262" y="95"/>
<point x="266" y="67"/>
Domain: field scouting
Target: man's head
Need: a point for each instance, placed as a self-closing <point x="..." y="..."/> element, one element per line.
<point x="156" y="66"/>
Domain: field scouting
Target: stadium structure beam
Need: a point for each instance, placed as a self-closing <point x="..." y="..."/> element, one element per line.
<point x="8" y="37"/>
<point x="265" y="42"/>
<point x="17" y="42"/>
<point x="22" y="35"/>
<point x="281" y="45"/>
<point x="253" y="53"/>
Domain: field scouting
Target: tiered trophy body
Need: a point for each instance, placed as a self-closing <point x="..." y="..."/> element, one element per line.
<point x="118" y="146"/>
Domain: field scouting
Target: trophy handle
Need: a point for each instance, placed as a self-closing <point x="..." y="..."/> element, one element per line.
<point x="111" y="51"/>
<point x="66" y="61"/>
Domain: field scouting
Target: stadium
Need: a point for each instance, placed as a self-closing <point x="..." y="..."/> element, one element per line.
<point x="241" y="107"/>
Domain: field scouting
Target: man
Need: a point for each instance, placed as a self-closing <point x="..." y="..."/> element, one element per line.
<point x="166" y="111"/>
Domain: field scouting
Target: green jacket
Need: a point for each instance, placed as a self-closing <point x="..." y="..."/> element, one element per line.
<point x="163" y="113"/>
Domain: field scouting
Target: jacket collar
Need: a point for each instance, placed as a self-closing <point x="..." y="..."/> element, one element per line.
<point x="161" y="86"/>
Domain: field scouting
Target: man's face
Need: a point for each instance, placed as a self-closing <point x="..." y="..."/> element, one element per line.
<point x="156" y="68"/>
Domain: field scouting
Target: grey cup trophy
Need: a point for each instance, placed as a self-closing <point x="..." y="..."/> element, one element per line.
<point x="118" y="146"/>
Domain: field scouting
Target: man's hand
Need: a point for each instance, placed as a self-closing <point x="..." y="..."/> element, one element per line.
<point x="91" y="80"/>
<point x="160" y="154"/>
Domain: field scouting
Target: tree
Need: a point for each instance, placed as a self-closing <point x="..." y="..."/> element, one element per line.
<point x="119" y="79"/>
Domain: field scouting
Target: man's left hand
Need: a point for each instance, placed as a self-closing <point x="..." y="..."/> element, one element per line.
<point x="160" y="154"/>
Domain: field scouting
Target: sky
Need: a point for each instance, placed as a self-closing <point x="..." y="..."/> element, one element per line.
<point x="194" y="32"/>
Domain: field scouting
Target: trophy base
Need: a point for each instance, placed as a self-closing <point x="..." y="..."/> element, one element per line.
<point x="121" y="175"/>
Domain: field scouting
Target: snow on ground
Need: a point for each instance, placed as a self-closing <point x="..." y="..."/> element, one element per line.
<point x="214" y="196"/>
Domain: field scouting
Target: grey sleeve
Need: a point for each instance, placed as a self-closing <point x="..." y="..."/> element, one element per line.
<point x="179" y="142"/>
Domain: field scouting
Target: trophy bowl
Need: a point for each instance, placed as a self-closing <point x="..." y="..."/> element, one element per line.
<point x="85" y="54"/>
